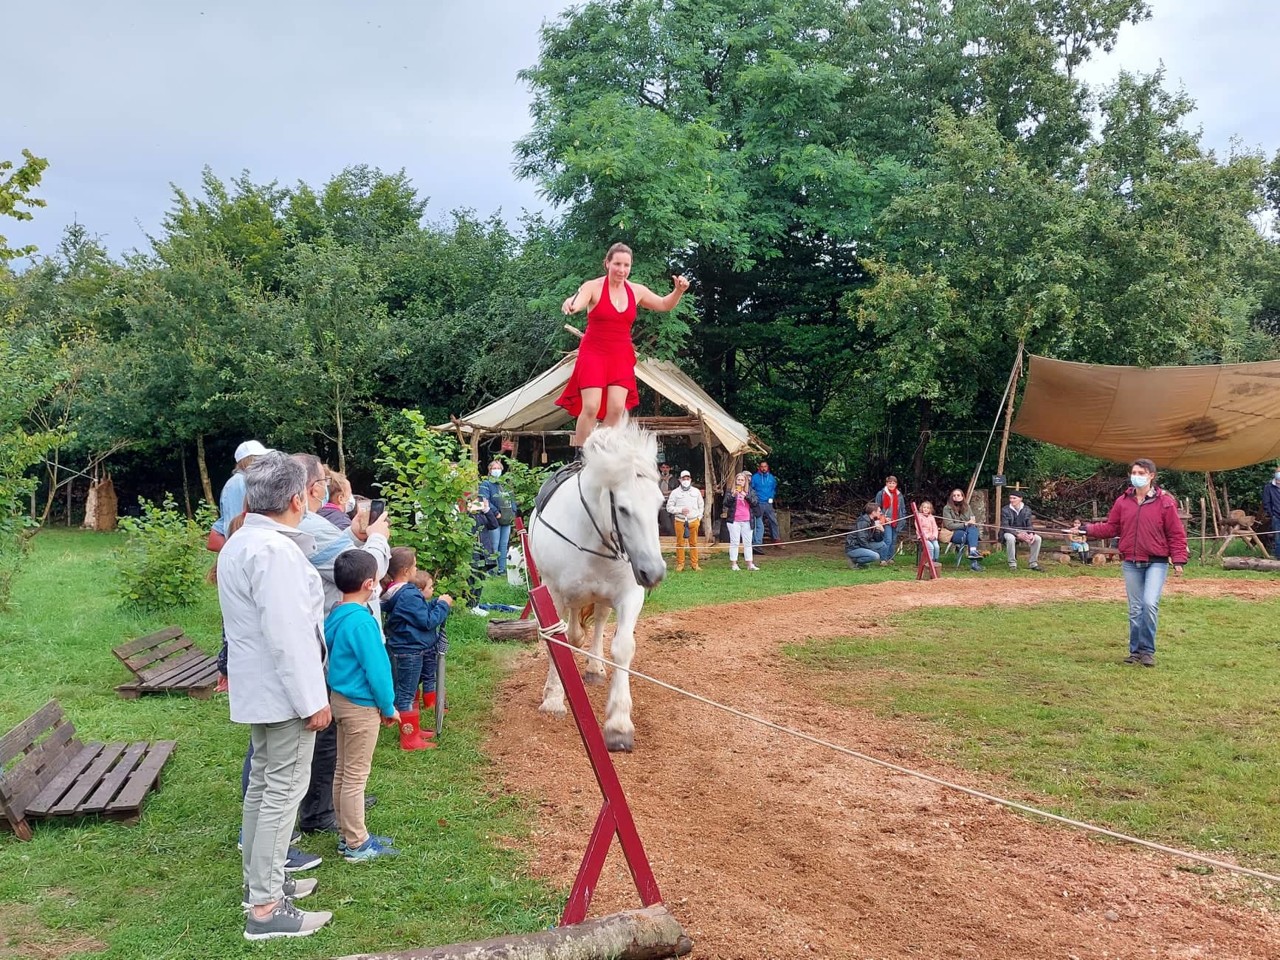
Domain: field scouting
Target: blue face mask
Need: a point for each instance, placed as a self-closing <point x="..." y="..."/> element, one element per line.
<point x="1139" y="480"/>
<point x="1278" y="475"/>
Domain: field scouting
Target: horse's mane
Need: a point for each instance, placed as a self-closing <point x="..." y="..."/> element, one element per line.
<point x="615" y="455"/>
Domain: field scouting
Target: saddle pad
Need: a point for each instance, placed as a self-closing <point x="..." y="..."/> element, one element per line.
<point x="555" y="482"/>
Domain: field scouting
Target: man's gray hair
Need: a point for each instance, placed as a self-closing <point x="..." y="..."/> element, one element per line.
<point x="272" y="481"/>
<point x="313" y="465"/>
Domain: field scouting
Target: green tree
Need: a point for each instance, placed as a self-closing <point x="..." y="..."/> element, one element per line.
<point x="16" y="184"/>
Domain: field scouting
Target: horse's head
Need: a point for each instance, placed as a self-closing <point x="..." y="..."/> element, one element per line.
<point x="620" y="467"/>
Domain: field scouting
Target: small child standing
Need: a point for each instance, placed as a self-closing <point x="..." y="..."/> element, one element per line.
<point x="929" y="529"/>
<point x="413" y="622"/>
<point x="1079" y="543"/>
<point x="362" y="693"/>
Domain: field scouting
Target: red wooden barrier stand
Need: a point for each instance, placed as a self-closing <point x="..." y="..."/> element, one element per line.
<point x="615" y="814"/>
<point x="534" y="579"/>
<point x="926" y="558"/>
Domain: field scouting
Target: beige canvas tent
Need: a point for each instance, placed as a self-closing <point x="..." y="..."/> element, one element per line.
<point x="531" y="411"/>
<point x="1212" y="417"/>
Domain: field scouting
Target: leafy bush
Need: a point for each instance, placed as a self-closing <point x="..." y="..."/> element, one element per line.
<point x="427" y="475"/>
<point x="523" y="482"/>
<point x="163" y="562"/>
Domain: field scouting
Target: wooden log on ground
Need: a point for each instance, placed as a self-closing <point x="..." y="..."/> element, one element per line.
<point x="512" y="630"/>
<point x="1250" y="563"/>
<point x="648" y="934"/>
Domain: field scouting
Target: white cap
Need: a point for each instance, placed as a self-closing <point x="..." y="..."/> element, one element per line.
<point x="250" y="448"/>
<point x="685" y="473"/>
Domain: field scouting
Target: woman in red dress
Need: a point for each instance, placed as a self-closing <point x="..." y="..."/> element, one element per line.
<point x="603" y="383"/>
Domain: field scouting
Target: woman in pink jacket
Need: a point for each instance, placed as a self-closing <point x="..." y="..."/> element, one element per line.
<point x="1152" y="537"/>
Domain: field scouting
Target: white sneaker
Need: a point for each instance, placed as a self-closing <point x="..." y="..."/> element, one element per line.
<point x="285" y="921"/>
<point x="733" y="566"/>
<point x="479" y="613"/>
<point x="752" y="566"/>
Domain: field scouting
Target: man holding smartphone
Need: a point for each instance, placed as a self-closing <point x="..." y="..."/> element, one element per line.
<point x="370" y="532"/>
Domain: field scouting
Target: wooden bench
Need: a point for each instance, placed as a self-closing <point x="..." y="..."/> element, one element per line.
<point x="165" y="662"/>
<point x="46" y="772"/>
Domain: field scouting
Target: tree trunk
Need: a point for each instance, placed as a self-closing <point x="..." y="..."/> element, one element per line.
<point x="53" y="489"/>
<point x="917" y="465"/>
<point x="186" y="485"/>
<point x="1250" y="563"/>
<point x="648" y="934"/>
<point x="337" y="420"/>
<point x="203" y="465"/>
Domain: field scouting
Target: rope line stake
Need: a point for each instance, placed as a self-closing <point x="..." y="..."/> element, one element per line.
<point x="554" y="642"/>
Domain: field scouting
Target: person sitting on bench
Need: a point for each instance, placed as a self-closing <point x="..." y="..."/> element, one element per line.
<point x="958" y="518"/>
<point x="1015" y="528"/>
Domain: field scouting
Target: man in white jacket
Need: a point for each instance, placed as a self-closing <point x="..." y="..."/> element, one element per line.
<point x="317" y="815"/>
<point x="273" y="612"/>
<point x="686" y="507"/>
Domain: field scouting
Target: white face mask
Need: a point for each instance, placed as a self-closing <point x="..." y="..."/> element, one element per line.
<point x="495" y="473"/>
<point x="686" y="483"/>
<point x="1139" y="480"/>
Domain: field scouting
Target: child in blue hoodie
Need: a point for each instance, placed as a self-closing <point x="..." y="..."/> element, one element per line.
<point x="412" y="623"/>
<point x="361" y="694"/>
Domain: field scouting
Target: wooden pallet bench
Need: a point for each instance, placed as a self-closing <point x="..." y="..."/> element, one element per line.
<point x="46" y="772"/>
<point x="165" y="662"/>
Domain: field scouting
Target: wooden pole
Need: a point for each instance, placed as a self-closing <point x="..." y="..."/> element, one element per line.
<point x="1004" y="436"/>
<point x="648" y="934"/>
<point x="1213" y="504"/>
<point x="1204" y="528"/>
<point x="709" y="472"/>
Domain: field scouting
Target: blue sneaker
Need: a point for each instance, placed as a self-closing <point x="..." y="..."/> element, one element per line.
<point x="385" y="841"/>
<point x="299" y="860"/>
<point x="371" y="849"/>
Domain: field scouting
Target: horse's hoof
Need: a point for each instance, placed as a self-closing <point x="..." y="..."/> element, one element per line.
<point x="594" y="678"/>
<point x="552" y="710"/>
<point x="619" y="741"/>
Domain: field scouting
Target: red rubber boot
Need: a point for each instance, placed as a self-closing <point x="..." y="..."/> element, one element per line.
<point x="411" y="737"/>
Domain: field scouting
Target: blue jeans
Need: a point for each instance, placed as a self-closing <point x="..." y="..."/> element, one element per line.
<point x="501" y="540"/>
<point x="933" y="549"/>
<point x="869" y="554"/>
<point x="1143" y="582"/>
<point x="412" y="669"/>
<point x="890" y="537"/>
<point x="966" y="537"/>
<point x="767" y="516"/>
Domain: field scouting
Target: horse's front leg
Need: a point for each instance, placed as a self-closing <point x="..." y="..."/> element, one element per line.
<point x="594" y="673"/>
<point x="619" y="734"/>
<point x="553" y="689"/>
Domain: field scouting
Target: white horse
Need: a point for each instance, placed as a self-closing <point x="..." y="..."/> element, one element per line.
<point x="595" y="543"/>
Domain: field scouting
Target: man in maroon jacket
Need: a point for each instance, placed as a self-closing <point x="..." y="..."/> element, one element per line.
<point x="1152" y="537"/>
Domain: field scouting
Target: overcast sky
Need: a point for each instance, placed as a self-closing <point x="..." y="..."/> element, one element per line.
<point x="127" y="97"/>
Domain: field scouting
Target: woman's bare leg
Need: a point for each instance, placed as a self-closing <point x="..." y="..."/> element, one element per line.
<point x="617" y="405"/>
<point x="587" y="418"/>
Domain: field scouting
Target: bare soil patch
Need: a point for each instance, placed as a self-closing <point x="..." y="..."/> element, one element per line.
<point x="766" y="846"/>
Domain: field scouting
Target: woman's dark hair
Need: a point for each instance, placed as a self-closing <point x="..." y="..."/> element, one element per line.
<point x="1145" y="464"/>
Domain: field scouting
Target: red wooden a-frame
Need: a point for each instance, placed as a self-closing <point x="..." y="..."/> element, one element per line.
<point x="615" y="814"/>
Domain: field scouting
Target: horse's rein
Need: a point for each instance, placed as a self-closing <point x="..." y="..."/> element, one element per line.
<point x="619" y="548"/>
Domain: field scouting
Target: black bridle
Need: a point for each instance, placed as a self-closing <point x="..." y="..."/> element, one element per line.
<point x="615" y="543"/>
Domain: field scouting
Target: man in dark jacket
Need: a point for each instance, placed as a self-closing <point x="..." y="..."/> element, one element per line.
<point x="866" y="542"/>
<point x="1015" y="528"/>
<point x="1271" y="505"/>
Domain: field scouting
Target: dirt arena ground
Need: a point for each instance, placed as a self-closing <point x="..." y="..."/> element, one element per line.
<point x="766" y="846"/>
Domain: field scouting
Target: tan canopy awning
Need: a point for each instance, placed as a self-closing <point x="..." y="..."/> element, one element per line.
<point x="1215" y="417"/>
<point x="532" y="407"/>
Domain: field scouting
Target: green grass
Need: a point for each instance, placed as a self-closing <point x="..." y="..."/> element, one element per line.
<point x="1035" y="698"/>
<point x="169" y="886"/>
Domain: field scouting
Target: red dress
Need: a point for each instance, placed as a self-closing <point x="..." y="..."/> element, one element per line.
<point x="606" y="356"/>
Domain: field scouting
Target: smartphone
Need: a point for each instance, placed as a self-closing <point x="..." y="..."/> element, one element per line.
<point x="376" y="509"/>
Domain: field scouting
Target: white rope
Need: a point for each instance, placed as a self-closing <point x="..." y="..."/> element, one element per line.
<point x="549" y="634"/>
